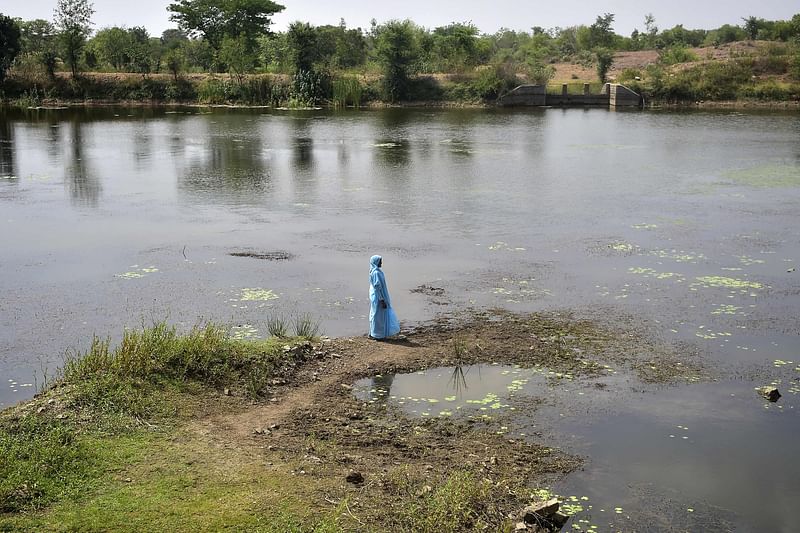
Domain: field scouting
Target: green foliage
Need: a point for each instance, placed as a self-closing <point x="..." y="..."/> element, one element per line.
<point x="629" y="74"/>
<point x="73" y="19"/>
<point x="769" y="90"/>
<point x="347" y="91"/>
<point x="278" y="326"/>
<point x="794" y="67"/>
<point x="494" y="81"/>
<point x="303" y="46"/>
<point x="9" y="43"/>
<point x="458" y="504"/>
<point x="397" y="51"/>
<point x="605" y="59"/>
<point x="122" y="380"/>
<point x="215" y="19"/>
<point x="38" y="40"/>
<point x="676" y="54"/>
<point x="252" y="90"/>
<point x="539" y="73"/>
<point x="601" y="33"/>
<point x="43" y="459"/>
<point x="752" y="25"/>
<point x="175" y="61"/>
<point x="309" y="88"/>
<point x="237" y="56"/>
<point x="306" y="327"/>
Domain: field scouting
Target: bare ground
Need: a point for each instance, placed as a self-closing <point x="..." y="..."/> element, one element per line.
<point x="315" y="430"/>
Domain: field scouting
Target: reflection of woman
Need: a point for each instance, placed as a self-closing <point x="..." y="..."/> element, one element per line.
<point x="382" y="319"/>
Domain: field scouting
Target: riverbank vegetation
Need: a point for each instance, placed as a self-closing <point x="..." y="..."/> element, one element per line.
<point x="118" y="414"/>
<point x="237" y="59"/>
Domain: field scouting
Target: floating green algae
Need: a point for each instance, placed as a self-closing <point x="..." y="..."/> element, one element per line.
<point x="766" y="176"/>
<point x="244" y="332"/>
<point x="679" y="256"/>
<point x="652" y="273"/>
<point x="138" y="273"/>
<point x="726" y="283"/>
<point x="257" y="295"/>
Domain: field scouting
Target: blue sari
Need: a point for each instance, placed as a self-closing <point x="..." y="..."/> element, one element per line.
<point x="383" y="323"/>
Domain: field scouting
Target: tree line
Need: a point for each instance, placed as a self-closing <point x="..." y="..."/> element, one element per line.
<point x="235" y="37"/>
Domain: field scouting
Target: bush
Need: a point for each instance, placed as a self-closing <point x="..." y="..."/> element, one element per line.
<point x="769" y="90"/>
<point x="676" y="54"/>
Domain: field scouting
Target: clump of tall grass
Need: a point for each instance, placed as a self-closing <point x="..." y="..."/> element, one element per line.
<point x="124" y="378"/>
<point x="278" y="326"/>
<point x="305" y="326"/>
<point x="347" y="91"/>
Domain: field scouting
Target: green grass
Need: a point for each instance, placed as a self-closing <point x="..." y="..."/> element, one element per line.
<point x="172" y="481"/>
<point x="112" y="404"/>
<point x="456" y="504"/>
<point x="347" y="91"/>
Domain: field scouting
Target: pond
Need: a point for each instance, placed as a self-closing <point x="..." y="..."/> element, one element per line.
<point x="685" y="222"/>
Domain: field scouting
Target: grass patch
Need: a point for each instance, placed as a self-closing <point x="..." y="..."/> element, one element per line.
<point x="110" y="404"/>
<point x="459" y="503"/>
<point x="178" y="482"/>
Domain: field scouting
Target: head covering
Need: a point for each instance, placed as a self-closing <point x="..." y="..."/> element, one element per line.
<point x="375" y="262"/>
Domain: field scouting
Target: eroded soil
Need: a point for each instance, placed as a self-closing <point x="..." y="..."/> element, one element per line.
<point x="315" y="429"/>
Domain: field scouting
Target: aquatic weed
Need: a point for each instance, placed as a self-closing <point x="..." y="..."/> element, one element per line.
<point x="278" y="326"/>
<point x="306" y="326"/>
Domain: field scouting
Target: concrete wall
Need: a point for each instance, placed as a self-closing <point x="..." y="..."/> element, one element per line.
<point x="621" y="96"/>
<point x="612" y="95"/>
<point x="525" y="95"/>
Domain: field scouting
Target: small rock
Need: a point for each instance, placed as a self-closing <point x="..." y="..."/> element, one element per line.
<point x="51" y="401"/>
<point x="521" y="526"/>
<point x="345" y="386"/>
<point x="336" y="355"/>
<point x="559" y="519"/>
<point x="534" y="513"/>
<point x="275" y="426"/>
<point x="493" y="461"/>
<point x="227" y="392"/>
<point x="770" y="393"/>
<point x="41" y="409"/>
<point x="128" y="480"/>
<point x="261" y="431"/>
<point x="355" y="478"/>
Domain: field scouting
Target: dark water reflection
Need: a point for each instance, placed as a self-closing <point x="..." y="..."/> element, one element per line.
<point x="683" y="222"/>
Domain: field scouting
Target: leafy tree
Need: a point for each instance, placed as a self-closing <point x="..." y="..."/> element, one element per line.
<point x="73" y="18"/>
<point x="175" y="61"/>
<point x="9" y="43"/>
<point x="601" y="33"/>
<point x="139" y="50"/>
<point x="38" y="38"/>
<point x="199" y="54"/>
<point x="455" y="46"/>
<point x="236" y="56"/>
<point x="112" y="46"/>
<point x="397" y="50"/>
<point x="173" y="38"/>
<point x="751" y="26"/>
<point x="605" y="59"/>
<point x="303" y="45"/>
<point x="216" y="19"/>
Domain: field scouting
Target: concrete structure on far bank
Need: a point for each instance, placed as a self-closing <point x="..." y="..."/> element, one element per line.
<point x="612" y="95"/>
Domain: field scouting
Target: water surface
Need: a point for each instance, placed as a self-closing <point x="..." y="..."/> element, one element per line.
<point x="685" y="222"/>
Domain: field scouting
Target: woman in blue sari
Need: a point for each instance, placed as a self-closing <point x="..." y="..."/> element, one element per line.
<point x="383" y="321"/>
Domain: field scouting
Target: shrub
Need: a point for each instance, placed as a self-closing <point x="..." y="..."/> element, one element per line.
<point x="676" y="54"/>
